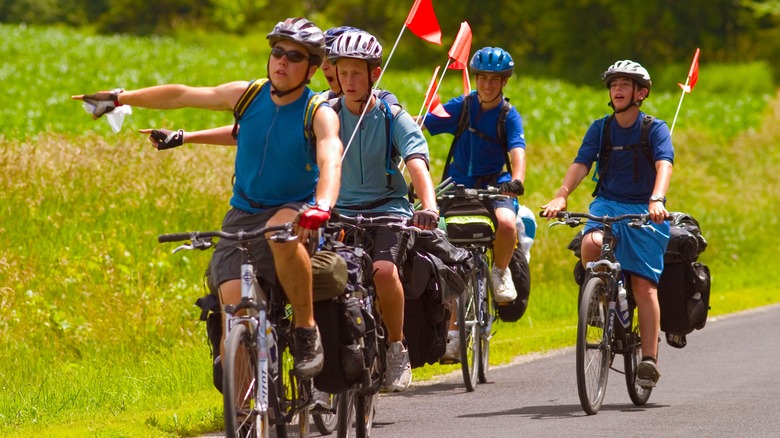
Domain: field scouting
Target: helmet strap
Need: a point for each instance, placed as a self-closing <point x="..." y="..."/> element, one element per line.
<point x="630" y="105"/>
<point x="281" y="93"/>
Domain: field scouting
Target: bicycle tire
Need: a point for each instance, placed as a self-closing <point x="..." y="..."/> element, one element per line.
<point x="638" y="394"/>
<point x="326" y="423"/>
<point x="345" y="410"/>
<point x="593" y="349"/>
<point x="240" y="386"/>
<point x="469" y="333"/>
<point x="486" y="321"/>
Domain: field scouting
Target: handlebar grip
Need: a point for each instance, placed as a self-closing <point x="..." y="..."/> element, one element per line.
<point x="177" y="237"/>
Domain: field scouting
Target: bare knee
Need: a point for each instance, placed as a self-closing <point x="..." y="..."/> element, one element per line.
<point x="591" y="246"/>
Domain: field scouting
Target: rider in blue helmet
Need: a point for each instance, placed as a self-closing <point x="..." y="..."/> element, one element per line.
<point x="479" y="155"/>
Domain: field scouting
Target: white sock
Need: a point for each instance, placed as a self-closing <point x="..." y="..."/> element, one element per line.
<point x="453" y="333"/>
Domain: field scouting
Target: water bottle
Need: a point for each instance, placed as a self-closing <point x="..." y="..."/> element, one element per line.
<point x="526" y="230"/>
<point x="623" y="313"/>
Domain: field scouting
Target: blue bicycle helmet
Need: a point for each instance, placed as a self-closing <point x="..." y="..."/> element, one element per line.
<point x="492" y="60"/>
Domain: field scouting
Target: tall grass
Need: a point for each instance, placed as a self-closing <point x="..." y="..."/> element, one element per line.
<point x="97" y="324"/>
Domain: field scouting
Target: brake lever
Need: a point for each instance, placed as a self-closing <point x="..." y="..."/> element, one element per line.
<point x="182" y="247"/>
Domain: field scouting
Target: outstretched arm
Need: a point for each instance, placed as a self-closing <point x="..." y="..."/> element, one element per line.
<point x="171" y="96"/>
<point x="166" y="139"/>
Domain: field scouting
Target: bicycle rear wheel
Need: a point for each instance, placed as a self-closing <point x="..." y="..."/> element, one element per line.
<point x="638" y="394"/>
<point x="469" y="332"/>
<point x="242" y="417"/>
<point x="485" y="312"/>
<point x="593" y="348"/>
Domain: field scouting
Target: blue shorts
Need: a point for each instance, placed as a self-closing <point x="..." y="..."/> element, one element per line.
<point x="640" y="251"/>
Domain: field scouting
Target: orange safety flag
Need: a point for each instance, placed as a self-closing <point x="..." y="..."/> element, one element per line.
<point x="423" y="23"/>
<point x="432" y="99"/>
<point x="693" y="74"/>
<point x="459" y="52"/>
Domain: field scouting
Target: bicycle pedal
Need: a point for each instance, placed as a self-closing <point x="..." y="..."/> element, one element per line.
<point x="645" y="383"/>
<point x="449" y="361"/>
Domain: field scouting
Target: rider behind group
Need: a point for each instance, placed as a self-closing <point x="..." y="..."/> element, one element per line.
<point x="479" y="157"/>
<point x="629" y="183"/>
<point x="373" y="186"/>
<point x="277" y="174"/>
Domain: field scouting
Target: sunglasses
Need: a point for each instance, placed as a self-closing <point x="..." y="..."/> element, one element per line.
<point x="293" y="56"/>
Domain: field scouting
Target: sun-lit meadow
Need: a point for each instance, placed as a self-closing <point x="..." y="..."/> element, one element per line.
<point x="98" y="329"/>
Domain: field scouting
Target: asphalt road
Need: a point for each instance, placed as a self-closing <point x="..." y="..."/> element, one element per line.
<point x="724" y="383"/>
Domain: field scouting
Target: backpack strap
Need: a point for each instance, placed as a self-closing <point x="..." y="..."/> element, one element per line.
<point x="464" y="122"/>
<point x="315" y="102"/>
<point x="245" y="100"/>
<point x="606" y="149"/>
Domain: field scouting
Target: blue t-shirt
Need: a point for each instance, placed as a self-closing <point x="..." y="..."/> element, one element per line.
<point x="473" y="155"/>
<point x="619" y="183"/>
<point x="275" y="164"/>
<point x="363" y="176"/>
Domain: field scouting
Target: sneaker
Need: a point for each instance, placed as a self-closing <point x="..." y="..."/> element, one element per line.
<point x="647" y="373"/>
<point x="503" y="286"/>
<point x="452" y="354"/>
<point x="398" y="375"/>
<point x="321" y="402"/>
<point x="308" y="355"/>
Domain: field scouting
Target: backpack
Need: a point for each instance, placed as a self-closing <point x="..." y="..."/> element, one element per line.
<point x="251" y="92"/>
<point x="391" y="112"/>
<point x="521" y="278"/>
<point x="607" y="148"/>
<point x="463" y="125"/>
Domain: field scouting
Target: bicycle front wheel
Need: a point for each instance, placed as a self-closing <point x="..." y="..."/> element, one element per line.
<point x="469" y="332"/>
<point x="326" y="421"/>
<point x="485" y="313"/>
<point x="639" y="395"/>
<point x="593" y="347"/>
<point x="239" y="386"/>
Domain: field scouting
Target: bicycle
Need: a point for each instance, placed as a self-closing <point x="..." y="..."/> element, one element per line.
<point x="469" y="225"/>
<point x="260" y="388"/>
<point x="600" y="333"/>
<point x="357" y="405"/>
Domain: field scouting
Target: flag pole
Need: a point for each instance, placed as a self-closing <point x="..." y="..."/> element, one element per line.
<point x="671" y="130"/>
<point x="435" y="92"/>
<point x="428" y="92"/>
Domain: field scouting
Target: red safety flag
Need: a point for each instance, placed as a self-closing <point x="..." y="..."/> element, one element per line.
<point x="459" y="52"/>
<point x="466" y="83"/>
<point x="423" y="23"/>
<point x="693" y="74"/>
<point x="432" y="99"/>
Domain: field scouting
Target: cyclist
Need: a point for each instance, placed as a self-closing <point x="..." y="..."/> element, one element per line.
<point x="628" y="183"/>
<point x="372" y="183"/>
<point x="277" y="174"/>
<point x="479" y="157"/>
<point x="329" y="71"/>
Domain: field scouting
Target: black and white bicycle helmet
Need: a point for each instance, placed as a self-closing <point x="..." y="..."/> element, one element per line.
<point x="303" y="32"/>
<point x="627" y="69"/>
<point x="335" y="32"/>
<point x="357" y="45"/>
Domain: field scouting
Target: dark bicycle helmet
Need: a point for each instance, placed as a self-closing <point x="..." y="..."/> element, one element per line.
<point x="334" y="32"/>
<point x="627" y="69"/>
<point x="492" y="60"/>
<point x="303" y="32"/>
<point x="357" y="45"/>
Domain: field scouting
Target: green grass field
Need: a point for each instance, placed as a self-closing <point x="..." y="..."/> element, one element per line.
<point x="98" y="326"/>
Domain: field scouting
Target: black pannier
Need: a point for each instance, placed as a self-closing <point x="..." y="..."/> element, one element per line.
<point x="521" y="278"/>
<point x="467" y="221"/>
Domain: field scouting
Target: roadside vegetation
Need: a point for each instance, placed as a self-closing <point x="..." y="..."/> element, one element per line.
<point x="98" y="328"/>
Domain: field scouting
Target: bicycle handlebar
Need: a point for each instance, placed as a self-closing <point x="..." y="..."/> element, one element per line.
<point x="461" y="192"/>
<point x="280" y="232"/>
<point x="574" y="219"/>
<point x="397" y="222"/>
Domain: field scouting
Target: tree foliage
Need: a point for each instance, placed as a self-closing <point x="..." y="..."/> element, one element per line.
<point x="563" y="38"/>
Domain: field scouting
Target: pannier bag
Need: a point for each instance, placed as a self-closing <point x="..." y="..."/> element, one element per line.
<point x="429" y="283"/>
<point x="342" y="322"/>
<point x="521" y="278"/>
<point x="684" y="298"/>
<point x="467" y="221"/>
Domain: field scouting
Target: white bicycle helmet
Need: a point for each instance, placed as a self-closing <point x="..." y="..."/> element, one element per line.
<point x="627" y="69"/>
<point x="303" y="32"/>
<point x="357" y="45"/>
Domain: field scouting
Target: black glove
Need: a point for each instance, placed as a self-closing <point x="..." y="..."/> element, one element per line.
<point x="427" y="219"/>
<point x="515" y="186"/>
<point x="104" y="101"/>
<point x="166" y="139"/>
